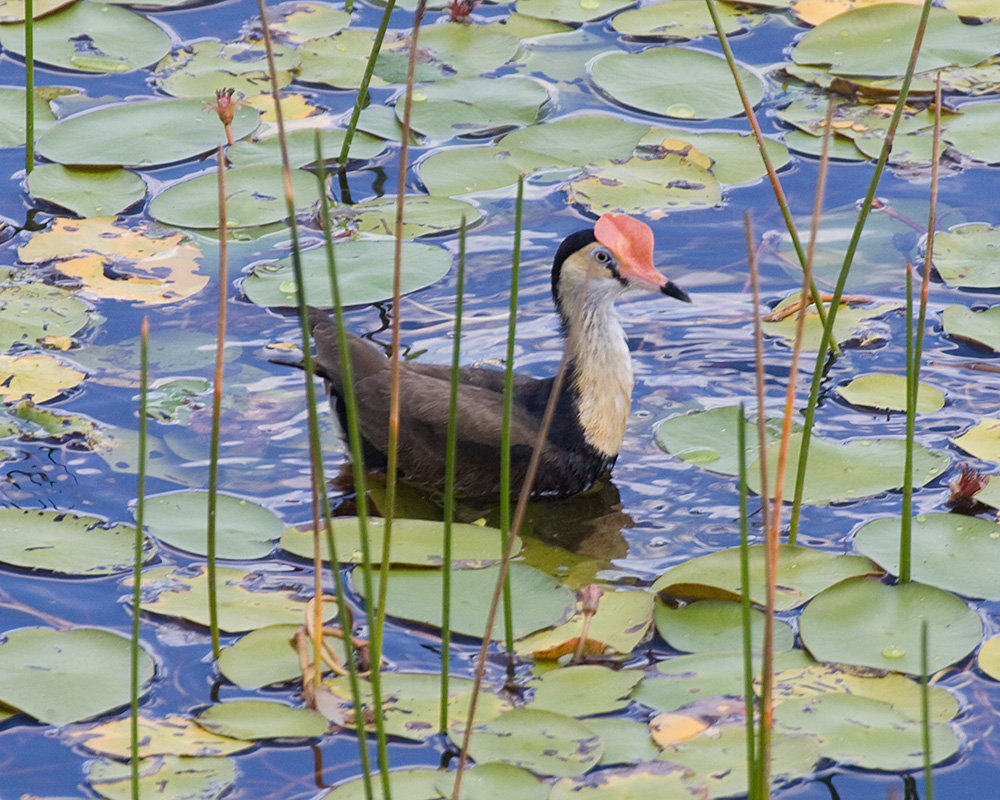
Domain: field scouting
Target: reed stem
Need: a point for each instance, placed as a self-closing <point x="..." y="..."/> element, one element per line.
<point x="748" y="671"/>
<point x="140" y="520"/>
<point x="29" y="86"/>
<point x="925" y="711"/>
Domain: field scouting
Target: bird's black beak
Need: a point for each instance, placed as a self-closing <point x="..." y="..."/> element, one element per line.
<point x="673" y="290"/>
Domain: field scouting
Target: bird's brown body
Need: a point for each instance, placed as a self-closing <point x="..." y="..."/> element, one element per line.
<point x="591" y="269"/>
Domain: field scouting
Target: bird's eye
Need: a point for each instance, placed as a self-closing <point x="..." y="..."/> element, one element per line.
<point x="602" y="256"/>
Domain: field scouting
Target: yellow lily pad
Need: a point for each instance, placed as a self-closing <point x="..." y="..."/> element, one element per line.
<point x="39" y="378"/>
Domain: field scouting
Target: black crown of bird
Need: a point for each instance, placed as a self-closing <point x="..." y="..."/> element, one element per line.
<point x="592" y="268"/>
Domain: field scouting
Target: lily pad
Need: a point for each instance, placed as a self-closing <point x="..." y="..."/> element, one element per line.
<point x="14" y="10"/>
<point x="364" y="274"/>
<point x="59" y="677"/>
<point x="464" y="50"/>
<point x="422" y="216"/>
<point x="203" y="778"/>
<point x="301" y="145"/>
<point x="91" y="37"/>
<point x="674" y="82"/>
<point x="681" y="19"/>
<point x="173" y="735"/>
<point x="419" y="542"/>
<point x="989" y="657"/>
<point x="712" y="626"/>
<point x="982" y="440"/>
<point x="849" y="324"/>
<point x="538" y="599"/>
<point x="981" y="327"/>
<point x="141" y="134"/>
<point x="495" y="781"/>
<point x="87" y="192"/>
<point x="970" y="131"/>
<point x="643" y="782"/>
<point x="32" y="311"/>
<point x="802" y="574"/>
<point x="969" y="256"/>
<point x="262" y="657"/>
<point x="262" y="719"/>
<point x="951" y="551"/>
<point x="13" y="112"/>
<point x="570" y="10"/>
<point x="884" y="391"/>
<point x="72" y="545"/>
<point x="243" y="602"/>
<point x="735" y="158"/>
<point x="837" y="472"/>
<point x="864" y="732"/>
<point x="474" y="106"/>
<point x="254" y="196"/>
<point x="203" y="68"/>
<point x="543" y="741"/>
<point x="587" y="689"/>
<point x="868" y="624"/>
<point x="38" y="378"/>
<point x="243" y="530"/>
<point x="469" y="170"/>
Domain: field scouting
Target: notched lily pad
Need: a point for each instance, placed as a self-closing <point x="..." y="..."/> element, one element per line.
<point x="586" y="689"/>
<point x="262" y="719"/>
<point x="982" y="440"/>
<point x="969" y="255"/>
<point x="36" y="378"/>
<point x="422" y="216"/>
<point x="980" y="327"/>
<point x="474" y="106"/>
<point x="888" y="392"/>
<point x="172" y="735"/>
<point x="711" y="626"/>
<point x="203" y="68"/>
<point x="682" y="19"/>
<point x="87" y="192"/>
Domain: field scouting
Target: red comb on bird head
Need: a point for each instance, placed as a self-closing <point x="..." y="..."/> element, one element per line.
<point x="632" y="242"/>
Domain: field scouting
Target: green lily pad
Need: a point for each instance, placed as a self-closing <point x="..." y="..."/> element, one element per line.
<point x="468" y="170"/>
<point x="968" y="255"/>
<point x="840" y="471"/>
<point x="570" y="10"/>
<point x="885" y="391"/>
<point x="868" y="624"/>
<point x="579" y="139"/>
<point x="545" y="742"/>
<point x="863" y="732"/>
<point x="841" y="148"/>
<point x="203" y="68"/>
<point x="295" y="22"/>
<point x="338" y="61"/>
<point x="91" y="37"/>
<point x="682" y="19"/>
<point x="173" y="735"/>
<point x="538" y="599"/>
<point x="989" y="657"/>
<point x="626" y="741"/>
<point x="32" y="311"/>
<point x="645" y="186"/>
<point x="254" y="196"/>
<point x="14" y="10"/>
<point x="177" y="593"/>
<point x="301" y="146"/>
<point x="262" y="657"/>
<point x="802" y="574"/>
<point x="474" y="106"/>
<point x="200" y="778"/>
<point x="40" y="423"/>
<point x="712" y="626"/>
<point x="849" y="324"/>
<point x="141" y="134"/>
<point x="877" y="41"/>
<point x="87" y="192"/>
<point x="494" y="781"/>
<point x="643" y="782"/>
<point x="419" y="542"/>
<point x="422" y="216"/>
<point x="243" y="530"/>
<point x="59" y="677"/>
<point x="12" y="113"/>
<point x="982" y="440"/>
<point x="72" y="545"/>
<point x="735" y="157"/>
<point x="262" y="719"/>
<point x="951" y="551"/>
<point x="465" y="50"/>
<point x="970" y="131"/>
<point x="419" y="783"/>
<point x="674" y="82"/>
<point x="364" y="274"/>
<point x="587" y="689"/>
<point x="981" y="327"/>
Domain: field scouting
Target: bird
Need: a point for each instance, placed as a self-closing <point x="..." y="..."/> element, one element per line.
<point x="591" y="269"/>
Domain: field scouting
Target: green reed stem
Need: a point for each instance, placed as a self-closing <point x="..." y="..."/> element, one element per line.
<point x="140" y="518"/>
<point x="213" y="458"/>
<point x="362" y="99"/>
<point x="361" y="493"/>
<point x="508" y="403"/>
<point x="748" y="672"/>
<point x="29" y="85"/>
<point x="772" y="174"/>
<point x="451" y="455"/>
<point x="866" y="206"/>
<point x="925" y="712"/>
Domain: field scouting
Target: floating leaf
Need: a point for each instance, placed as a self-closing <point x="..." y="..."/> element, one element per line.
<point x="264" y="656"/>
<point x="203" y="68"/>
<point x="969" y="255"/>
<point x="951" y="551"/>
<point x="87" y="192"/>
<point x="645" y="186"/>
<point x="543" y="741"/>
<point x="570" y="10"/>
<point x="989" y="657"/>
<point x="45" y="424"/>
<point x="711" y="626"/>
<point x="869" y="624"/>
<point x="981" y="327"/>
<point x="62" y="542"/>
<point x="262" y="719"/>
<point x="117" y="39"/>
<point x="840" y="471"/>
<point x="175" y="777"/>
<point x="813" y="12"/>
<point x="243" y="530"/>
<point x="420" y="542"/>
<point x="802" y="574"/>
<point x="301" y="146"/>
<point x="884" y="391"/>
<point x="970" y="131"/>
<point x="538" y="599"/>
<point x="173" y="735"/>
<point x="32" y="311"/>
<point x="645" y="782"/>
<point x="364" y="274"/>
<point x="584" y="690"/>
<point x="418" y="783"/>
<point x="59" y="677"/>
<point x="295" y="22"/>
<point x="494" y="781"/>
<point x="141" y="134"/>
<point x="982" y="440"/>
<point x="13" y="112"/>
<point x="474" y="106"/>
<point x="14" y="10"/>
<point x="339" y="60"/>
<point x="682" y="19"/>
<point x="850" y="322"/>
<point x="38" y="378"/>
<point x="468" y="170"/>
<point x="735" y="158"/>
<point x="864" y="732"/>
<point x="626" y="741"/>
<point x="463" y="50"/>
<point x="254" y="196"/>
<point x="422" y="216"/>
<point x="674" y="82"/>
<point x="177" y="593"/>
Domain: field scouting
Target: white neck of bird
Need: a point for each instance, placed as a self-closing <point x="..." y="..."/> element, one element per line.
<point x="601" y="367"/>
